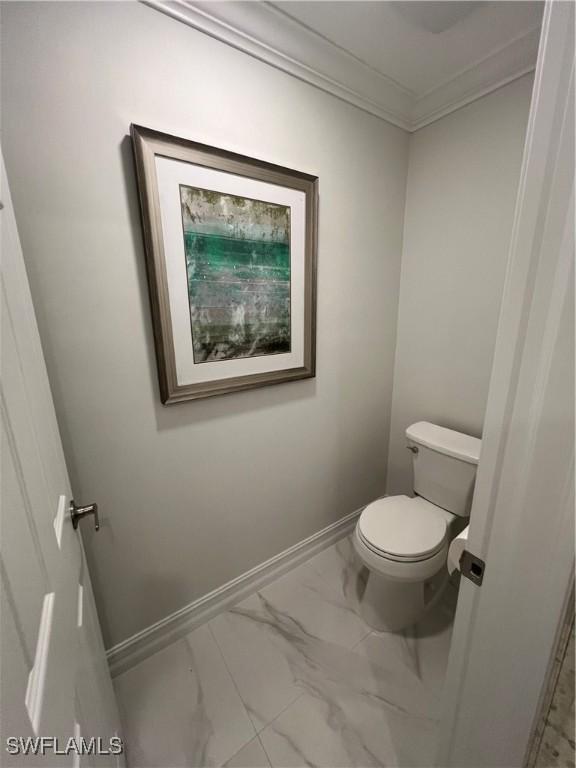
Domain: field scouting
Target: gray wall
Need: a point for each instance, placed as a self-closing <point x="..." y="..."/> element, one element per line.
<point x="194" y="494"/>
<point x="462" y="180"/>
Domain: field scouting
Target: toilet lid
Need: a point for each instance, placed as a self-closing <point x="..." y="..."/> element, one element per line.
<point x="402" y="527"/>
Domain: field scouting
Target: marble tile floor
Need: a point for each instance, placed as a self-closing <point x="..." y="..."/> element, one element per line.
<point x="289" y="677"/>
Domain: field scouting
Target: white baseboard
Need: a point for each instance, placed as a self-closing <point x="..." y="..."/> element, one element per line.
<point x="143" y="644"/>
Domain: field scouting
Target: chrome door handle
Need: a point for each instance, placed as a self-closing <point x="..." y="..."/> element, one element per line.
<point x="413" y="448"/>
<point x="77" y="513"/>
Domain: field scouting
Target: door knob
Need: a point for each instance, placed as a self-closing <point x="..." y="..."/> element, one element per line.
<point x="77" y="513"/>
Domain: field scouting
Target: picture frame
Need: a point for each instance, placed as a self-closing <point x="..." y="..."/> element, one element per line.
<point x="230" y="247"/>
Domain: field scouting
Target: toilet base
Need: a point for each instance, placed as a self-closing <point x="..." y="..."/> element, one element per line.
<point x="388" y="605"/>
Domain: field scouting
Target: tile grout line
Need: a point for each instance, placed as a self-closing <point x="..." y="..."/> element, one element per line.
<point x="257" y="732"/>
<point x="353" y="648"/>
<point x="231" y="676"/>
<point x="239" y="750"/>
<point x="244" y="704"/>
<point x="230" y="673"/>
<point x="346" y="603"/>
<point x="254" y="738"/>
<point x="274" y="719"/>
<point x="271" y="722"/>
<point x="264" y="750"/>
<point x="324" y="577"/>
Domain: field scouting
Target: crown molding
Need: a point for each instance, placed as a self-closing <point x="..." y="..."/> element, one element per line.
<point x="271" y="36"/>
<point x="499" y="68"/>
<point x="278" y="40"/>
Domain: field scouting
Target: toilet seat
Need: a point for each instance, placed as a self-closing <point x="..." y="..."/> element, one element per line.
<point x="404" y="529"/>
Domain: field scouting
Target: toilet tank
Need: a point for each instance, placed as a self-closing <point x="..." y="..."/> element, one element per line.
<point x="445" y="464"/>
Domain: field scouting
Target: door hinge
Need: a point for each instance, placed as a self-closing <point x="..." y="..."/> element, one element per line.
<point x="472" y="567"/>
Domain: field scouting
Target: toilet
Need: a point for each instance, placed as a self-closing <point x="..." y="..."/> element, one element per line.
<point x="403" y="541"/>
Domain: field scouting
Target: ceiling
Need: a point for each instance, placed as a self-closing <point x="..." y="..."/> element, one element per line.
<point x="407" y="61"/>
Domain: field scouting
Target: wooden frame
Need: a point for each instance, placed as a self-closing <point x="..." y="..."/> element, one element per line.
<point x="150" y="148"/>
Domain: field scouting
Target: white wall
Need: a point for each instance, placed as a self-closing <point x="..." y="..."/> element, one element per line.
<point x="462" y="181"/>
<point x="196" y="493"/>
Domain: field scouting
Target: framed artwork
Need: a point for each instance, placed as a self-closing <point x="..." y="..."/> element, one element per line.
<point x="231" y="260"/>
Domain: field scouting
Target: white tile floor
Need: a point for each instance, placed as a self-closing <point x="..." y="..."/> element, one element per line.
<point x="291" y="677"/>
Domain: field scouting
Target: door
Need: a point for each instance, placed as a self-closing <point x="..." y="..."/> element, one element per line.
<point x="55" y="681"/>
<point x="522" y="518"/>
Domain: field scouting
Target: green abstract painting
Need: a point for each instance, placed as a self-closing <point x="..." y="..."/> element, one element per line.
<point x="238" y="268"/>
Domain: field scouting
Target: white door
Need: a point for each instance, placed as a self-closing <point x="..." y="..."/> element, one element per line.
<point x="55" y="681"/>
<point x="522" y="519"/>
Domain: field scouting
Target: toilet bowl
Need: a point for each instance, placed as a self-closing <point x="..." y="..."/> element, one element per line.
<point x="403" y="541"/>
